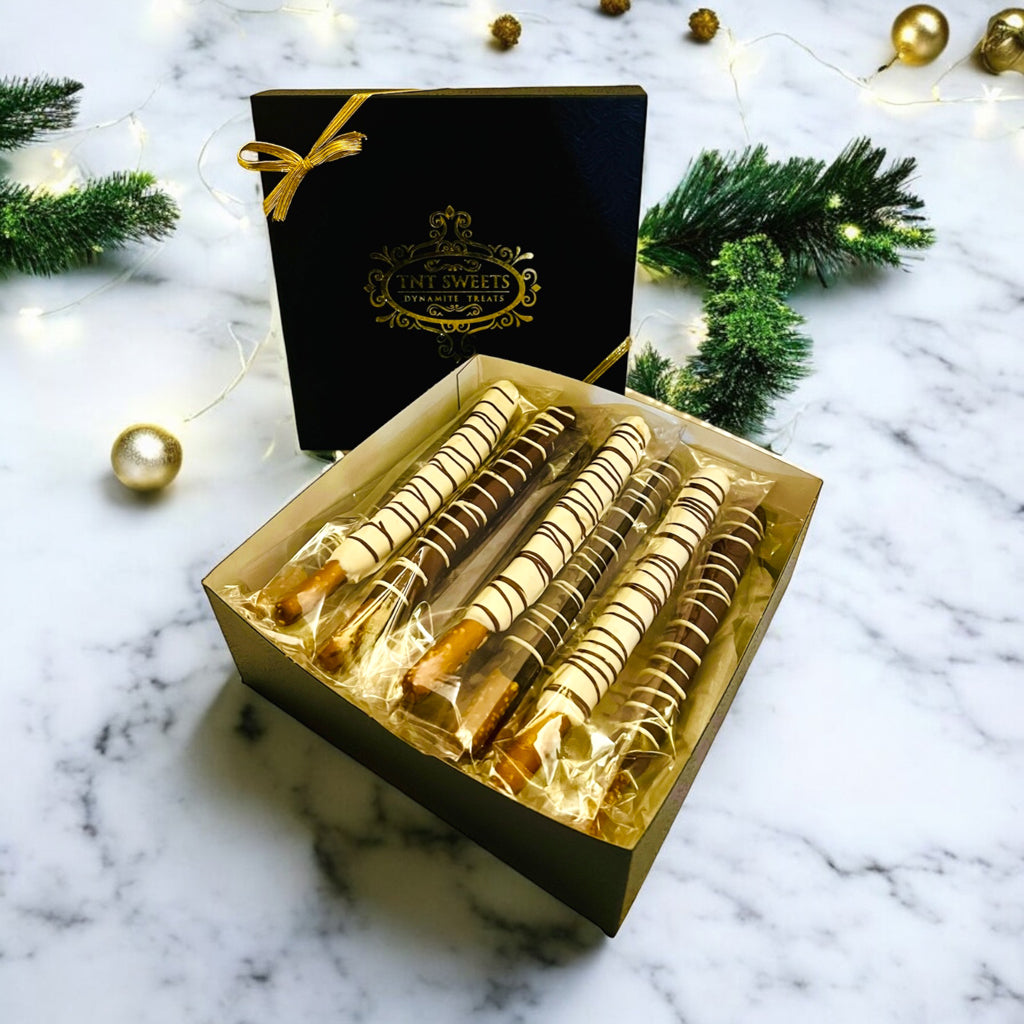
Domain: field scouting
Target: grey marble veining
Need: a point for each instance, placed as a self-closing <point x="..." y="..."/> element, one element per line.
<point x="174" y="849"/>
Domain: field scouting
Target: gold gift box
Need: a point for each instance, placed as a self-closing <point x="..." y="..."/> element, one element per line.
<point x="595" y="876"/>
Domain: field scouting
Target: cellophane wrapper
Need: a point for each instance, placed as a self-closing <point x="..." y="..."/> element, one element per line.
<point x="575" y="784"/>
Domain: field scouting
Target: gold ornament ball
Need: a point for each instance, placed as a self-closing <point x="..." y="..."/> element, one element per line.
<point x="615" y="7"/>
<point x="506" y="30"/>
<point x="1002" y="48"/>
<point x="146" y="457"/>
<point x="919" y="34"/>
<point x="704" y="24"/>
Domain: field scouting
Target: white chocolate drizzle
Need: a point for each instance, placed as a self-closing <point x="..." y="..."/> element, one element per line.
<point x="542" y="628"/>
<point x="655" y="702"/>
<point x="563" y="529"/>
<point x="414" y="503"/>
<point x="585" y="676"/>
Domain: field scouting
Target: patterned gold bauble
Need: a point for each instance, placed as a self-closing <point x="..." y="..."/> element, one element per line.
<point x="704" y="24"/>
<point x="506" y="30"/>
<point x="1002" y="48"/>
<point x="146" y="457"/>
<point x="615" y="7"/>
<point x="919" y="34"/>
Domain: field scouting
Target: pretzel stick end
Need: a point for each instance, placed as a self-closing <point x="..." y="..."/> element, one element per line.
<point x="520" y="759"/>
<point x="484" y="711"/>
<point x="287" y="610"/>
<point x="444" y="658"/>
<point x="318" y="586"/>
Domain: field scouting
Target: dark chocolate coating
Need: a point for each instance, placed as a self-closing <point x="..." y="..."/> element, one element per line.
<point x="542" y="629"/>
<point x="450" y="536"/>
<point x="443" y="543"/>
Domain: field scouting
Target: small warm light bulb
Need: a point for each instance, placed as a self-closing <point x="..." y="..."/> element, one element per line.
<point x="45" y="333"/>
<point x="59" y="186"/>
<point x="324" y="20"/>
<point x="734" y="50"/>
<point x="478" y="16"/>
<point x="138" y="130"/>
<point x="30" y="324"/>
<point x="321" y="16"/>
<point x="986" y="115"/>
<point x="698" y="331"/>
<point x="166" y="13"/>
<point x="870" y="96"/>
<point x="850" y="232"/>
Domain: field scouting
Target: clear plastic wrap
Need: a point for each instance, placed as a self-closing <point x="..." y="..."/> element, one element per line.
<point x="564" y="750"/>
<point x="475" y="635"/>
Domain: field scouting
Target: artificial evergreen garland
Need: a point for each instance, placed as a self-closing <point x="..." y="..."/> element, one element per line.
<point x="29" y="107"/>
<point x="749" y="230"/>
<point x="45" y="233"/>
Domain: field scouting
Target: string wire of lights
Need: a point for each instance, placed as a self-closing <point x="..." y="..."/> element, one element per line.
<point x="749" y="350"/>
<point x="240" y="208"/>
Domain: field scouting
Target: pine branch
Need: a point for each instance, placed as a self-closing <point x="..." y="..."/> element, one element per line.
<point x="44" y="233"/>
<point x="753" y="353"/>
<point x="651" y="373"/>
<point x="824" y="219"/>
<point x="31" y="106"/>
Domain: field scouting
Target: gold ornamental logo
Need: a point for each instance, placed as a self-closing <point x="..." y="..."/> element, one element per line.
<point x="452" y="285"/>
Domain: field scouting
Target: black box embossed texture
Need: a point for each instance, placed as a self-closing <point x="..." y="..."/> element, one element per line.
<point x="493" y="221"/>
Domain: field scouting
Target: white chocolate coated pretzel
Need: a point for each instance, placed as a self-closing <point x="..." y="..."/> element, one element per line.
<point x="411" y="506"/>
<point x="549" y="547"/>
<point x="585" y="676"/>
<point x="569" y="521"/>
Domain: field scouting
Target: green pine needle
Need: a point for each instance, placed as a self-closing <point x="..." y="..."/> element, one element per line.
<point x="31" y="106"/>
<point x="824" y="219"/>
<point x="45" y="233"/>
<point x="753" y="353"/>
<point x="651" y="374"/>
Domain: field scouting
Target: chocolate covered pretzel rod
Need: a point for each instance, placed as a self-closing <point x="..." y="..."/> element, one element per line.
<point x="571" y="694"/>
<point x="542" y="629"/>
<point x="443" y="543"/>
<point x="411" y="506"/>
<point x="650" y="713"/>
<point x="549" y="547"/>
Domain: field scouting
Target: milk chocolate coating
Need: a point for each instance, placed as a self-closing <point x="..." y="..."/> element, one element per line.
<point x="587" y="673"/>
<point x="580" y="681"/>
<point x="653" y="707"/>
<point x="411" y="506"/>
<point x="546" y="551"/>
<point x="414" y="503"/>
<point x="542" y="629"/>
<point x="451" y="535"/>
<point x="446" y="541"/>
<point x="565" y="526"/>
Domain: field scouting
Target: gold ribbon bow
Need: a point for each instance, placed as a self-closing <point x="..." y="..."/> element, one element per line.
<point x="330" y="146"/>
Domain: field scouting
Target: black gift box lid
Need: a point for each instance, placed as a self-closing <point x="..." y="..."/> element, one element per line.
<point x="446" y="223"/>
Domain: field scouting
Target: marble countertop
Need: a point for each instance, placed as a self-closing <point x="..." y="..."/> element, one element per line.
<point x="175" y="849"/>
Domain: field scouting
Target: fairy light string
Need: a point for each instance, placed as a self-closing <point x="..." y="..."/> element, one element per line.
<point x="866" y="84"/>
<point x="241" y="210"/>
